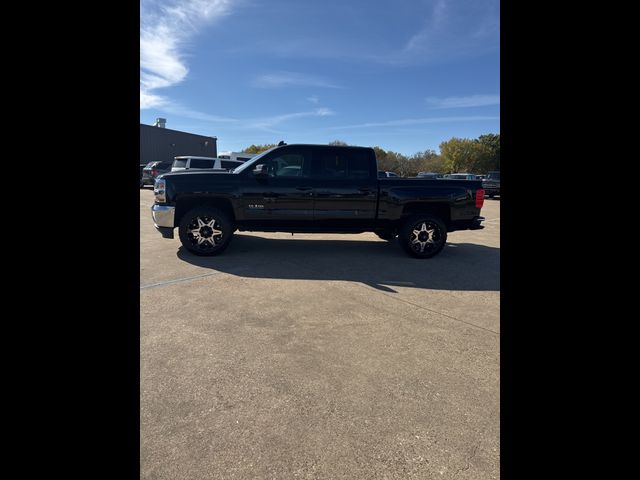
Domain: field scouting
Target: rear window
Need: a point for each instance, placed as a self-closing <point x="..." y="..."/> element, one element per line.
<point x="180" y="163"/>
<point x="200" y="163"/>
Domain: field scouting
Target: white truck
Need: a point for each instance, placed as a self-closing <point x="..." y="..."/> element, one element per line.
<point x="240" y="156"/>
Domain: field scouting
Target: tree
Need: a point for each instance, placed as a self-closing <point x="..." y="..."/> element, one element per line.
<point x="464" y="155"/>
<point x="427" y="161"/>
<point x="259" y="148"/>
<point x="492" y="141"/>
<point x="339" y="143"/>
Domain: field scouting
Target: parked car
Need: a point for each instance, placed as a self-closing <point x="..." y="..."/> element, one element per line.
<point x="383" y="174"/>
<point x="142" y="165"/>
<point x="313" y="188"/>
<point x="153" y="169"/>
<point x="460" y="176"/>
<point x="491" y="184"/>
<point x="199" y="163"/>
<point x="431" y="175"/>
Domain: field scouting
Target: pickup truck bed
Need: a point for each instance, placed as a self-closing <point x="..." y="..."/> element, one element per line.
<point x="314" y="188"/>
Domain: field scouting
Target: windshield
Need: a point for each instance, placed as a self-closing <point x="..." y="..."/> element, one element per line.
<point x="246" y="165"/>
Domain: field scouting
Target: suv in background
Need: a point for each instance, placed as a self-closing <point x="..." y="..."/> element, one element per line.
<point x="151" y="171"/>
<point x="460" y="176"/>
<point x="491" y="184"/>
<point x="241" y="156"/>
<point x="429" y="175"/>
<point x="203" y="163"/>
<point x="382" y="174"/>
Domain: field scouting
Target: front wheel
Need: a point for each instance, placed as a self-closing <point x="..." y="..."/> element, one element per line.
<point x="205" y="231"/>
<point x="423" y="236"/>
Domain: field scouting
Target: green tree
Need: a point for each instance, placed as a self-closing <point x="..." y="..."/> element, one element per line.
<point x="339" y="143"/>
<point x="259" y="148"/>
<point x="464" y="155"/>
<point x="427" y="161"/>
<point x="492" y="141"/>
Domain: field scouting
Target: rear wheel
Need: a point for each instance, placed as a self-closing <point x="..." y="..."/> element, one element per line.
<point x="205" y="231"/>
<point x="423" y="236"/>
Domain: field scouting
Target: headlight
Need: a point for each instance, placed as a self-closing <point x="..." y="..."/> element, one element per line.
<point x="160" y="190"/>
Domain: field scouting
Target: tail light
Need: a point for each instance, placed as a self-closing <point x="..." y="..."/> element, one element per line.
<point x="154" y="172"/>
<point x="479" y="198"/>
<point x="160" y="190"/>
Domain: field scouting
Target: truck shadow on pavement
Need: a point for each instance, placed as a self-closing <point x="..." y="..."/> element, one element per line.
<point x="379" y="264"/>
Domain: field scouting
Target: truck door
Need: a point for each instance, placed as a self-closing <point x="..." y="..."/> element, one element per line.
<point x="284" y="199"/>
<point x="345" y="186"/>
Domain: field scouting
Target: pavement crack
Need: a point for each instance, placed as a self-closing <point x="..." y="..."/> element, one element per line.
<point x="437" y="312"/>
<point x="178" y="280"/>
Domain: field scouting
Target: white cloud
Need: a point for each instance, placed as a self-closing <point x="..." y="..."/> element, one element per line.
<point x="291" y="79"/>
<point x="269" y="122"/>
<point x="313" y="99"/>
<point x="165" y="29"/>
<point x="149" y="100"/>
<point x="463" y="102"/>
<point x="454" y="29"/>
<point x="415" y="121"/>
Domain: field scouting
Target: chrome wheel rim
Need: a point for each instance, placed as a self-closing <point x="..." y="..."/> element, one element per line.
<point x="205" y="232"/>
<point x="425" y="237"/>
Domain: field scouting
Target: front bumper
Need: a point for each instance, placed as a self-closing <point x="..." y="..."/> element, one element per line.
<point x="163" y="219"/>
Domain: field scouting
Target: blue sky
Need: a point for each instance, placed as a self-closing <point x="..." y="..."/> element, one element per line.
<point x="403" y="75"/>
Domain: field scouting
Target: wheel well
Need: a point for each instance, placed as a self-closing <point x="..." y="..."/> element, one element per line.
<point x="440" y="210"/>
<point x="185" y="204"/>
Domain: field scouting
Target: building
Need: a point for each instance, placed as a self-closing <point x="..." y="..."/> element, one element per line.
<point x="163" y="144"/>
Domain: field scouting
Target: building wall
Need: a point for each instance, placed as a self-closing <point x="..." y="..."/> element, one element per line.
<point x="164" y="144"/>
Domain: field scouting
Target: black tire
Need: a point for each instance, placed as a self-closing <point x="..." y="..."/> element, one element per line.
<point x="431" y="239"/>
<point x="387" y="235"/>
<point x="205" y="241"/>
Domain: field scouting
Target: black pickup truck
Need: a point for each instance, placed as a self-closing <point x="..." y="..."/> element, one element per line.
<point x="313" y="188"/>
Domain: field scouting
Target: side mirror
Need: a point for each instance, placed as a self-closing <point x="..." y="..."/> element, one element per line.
<point x="261" y="170"/>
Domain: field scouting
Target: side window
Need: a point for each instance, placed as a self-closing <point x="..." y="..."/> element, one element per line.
<point x="201" y="163"/>
<point x="358" y="165"/>
<point x="289" y="164"/>
<point x="180" y="163"/>
<point x="344" y="163"/>
<point x="332" y="164"/>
